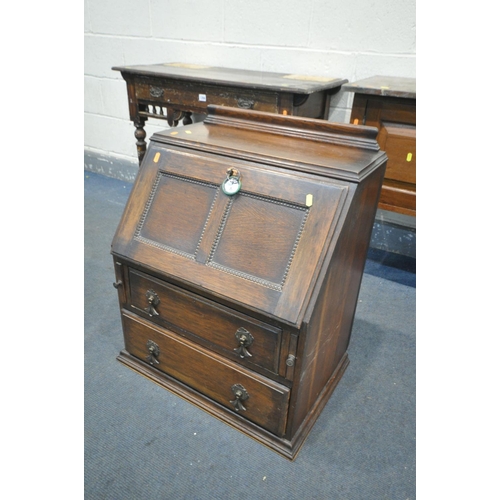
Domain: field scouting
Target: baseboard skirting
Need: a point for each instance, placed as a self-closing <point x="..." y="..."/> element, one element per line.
<point x="117" y="168"/>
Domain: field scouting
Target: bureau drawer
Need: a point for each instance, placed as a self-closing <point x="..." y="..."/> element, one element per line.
<point x="237" y="335"/>
<point x="200" y="96"/>
<point x="260" y="400"/>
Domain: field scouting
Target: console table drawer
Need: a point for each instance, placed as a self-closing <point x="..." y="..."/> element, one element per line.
<point x="256" y="398"/>
<point x="200" y="96"/>
<point x="237" y="335"/>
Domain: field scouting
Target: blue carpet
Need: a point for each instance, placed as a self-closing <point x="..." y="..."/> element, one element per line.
<point x="391" y="266"/>
<point x="141" y="442"/>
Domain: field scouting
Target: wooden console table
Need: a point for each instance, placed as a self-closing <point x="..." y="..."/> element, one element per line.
<point x="173" y="91"/>
<point x="389" y="103"/>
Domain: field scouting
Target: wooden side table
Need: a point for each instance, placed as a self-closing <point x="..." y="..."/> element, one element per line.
<point x="389" y="103"/>
<point x="173" y="91"/>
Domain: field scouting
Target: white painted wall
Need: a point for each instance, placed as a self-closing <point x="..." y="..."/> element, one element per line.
<point x="347" y="39"/>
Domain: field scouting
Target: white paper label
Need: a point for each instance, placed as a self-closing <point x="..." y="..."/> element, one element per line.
<point x="202" y="97"/>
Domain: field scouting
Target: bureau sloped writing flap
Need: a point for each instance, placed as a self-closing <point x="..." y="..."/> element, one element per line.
<point x="257" y="239"/>
<point x="176" y="214"/>
<point x="261" y="247"/>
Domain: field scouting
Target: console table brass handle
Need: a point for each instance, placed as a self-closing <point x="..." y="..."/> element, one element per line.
<point x="153" y="301"/>
<point x="153" y="353"/>
<point x="240" y="394"/>
<point x="245" y="340"/>
<point x="118" y="283"/>
<point x="245" y="103"/>
<point x="156" y="91"/>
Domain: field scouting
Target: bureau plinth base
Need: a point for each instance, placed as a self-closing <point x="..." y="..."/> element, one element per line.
<point x="284" y="447"/>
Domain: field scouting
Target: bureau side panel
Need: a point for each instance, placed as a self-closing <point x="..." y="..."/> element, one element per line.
<point x="330" y="316"/>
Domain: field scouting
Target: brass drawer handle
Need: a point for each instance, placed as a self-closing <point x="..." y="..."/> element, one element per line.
<point x="240" y="394"/>
<point x="245" y="103"/>
<point x="156" y="91"/>
<point x="245" y="340"/>
<point x="153" y="301"/>
<point x="153" y="353"/>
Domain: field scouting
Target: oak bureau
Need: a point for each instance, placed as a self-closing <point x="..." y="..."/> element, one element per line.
<point x="238" y="261"/>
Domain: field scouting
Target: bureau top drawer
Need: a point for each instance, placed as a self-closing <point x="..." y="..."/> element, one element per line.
<point x="236" y="335"/>
<point x="254" y="397"/>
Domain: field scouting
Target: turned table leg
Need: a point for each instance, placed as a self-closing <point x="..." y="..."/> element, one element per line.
<point x="140" y="135"/>
<point x="173" y="118"/>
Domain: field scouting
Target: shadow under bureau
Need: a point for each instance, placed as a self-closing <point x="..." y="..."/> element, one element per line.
<point x="238" y="263"/>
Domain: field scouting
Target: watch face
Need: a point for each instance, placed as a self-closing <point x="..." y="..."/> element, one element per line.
<point x="231" y="185"/>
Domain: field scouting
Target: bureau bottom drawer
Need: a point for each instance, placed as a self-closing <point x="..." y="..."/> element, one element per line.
<point x="252" y="396"/>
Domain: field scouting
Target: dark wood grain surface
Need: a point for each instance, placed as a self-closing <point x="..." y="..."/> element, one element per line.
<point x="303" y="84"/>
<point x="391" y="86"/>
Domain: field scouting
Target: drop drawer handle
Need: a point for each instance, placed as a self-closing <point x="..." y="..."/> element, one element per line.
<point x="245" y="340"/>
<point x="153" y="301"/>
<point x="153" y="352"/>
<point x="240" y="394"/>
<point x="156" y="91"/>
<point x="245" y="103"/>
